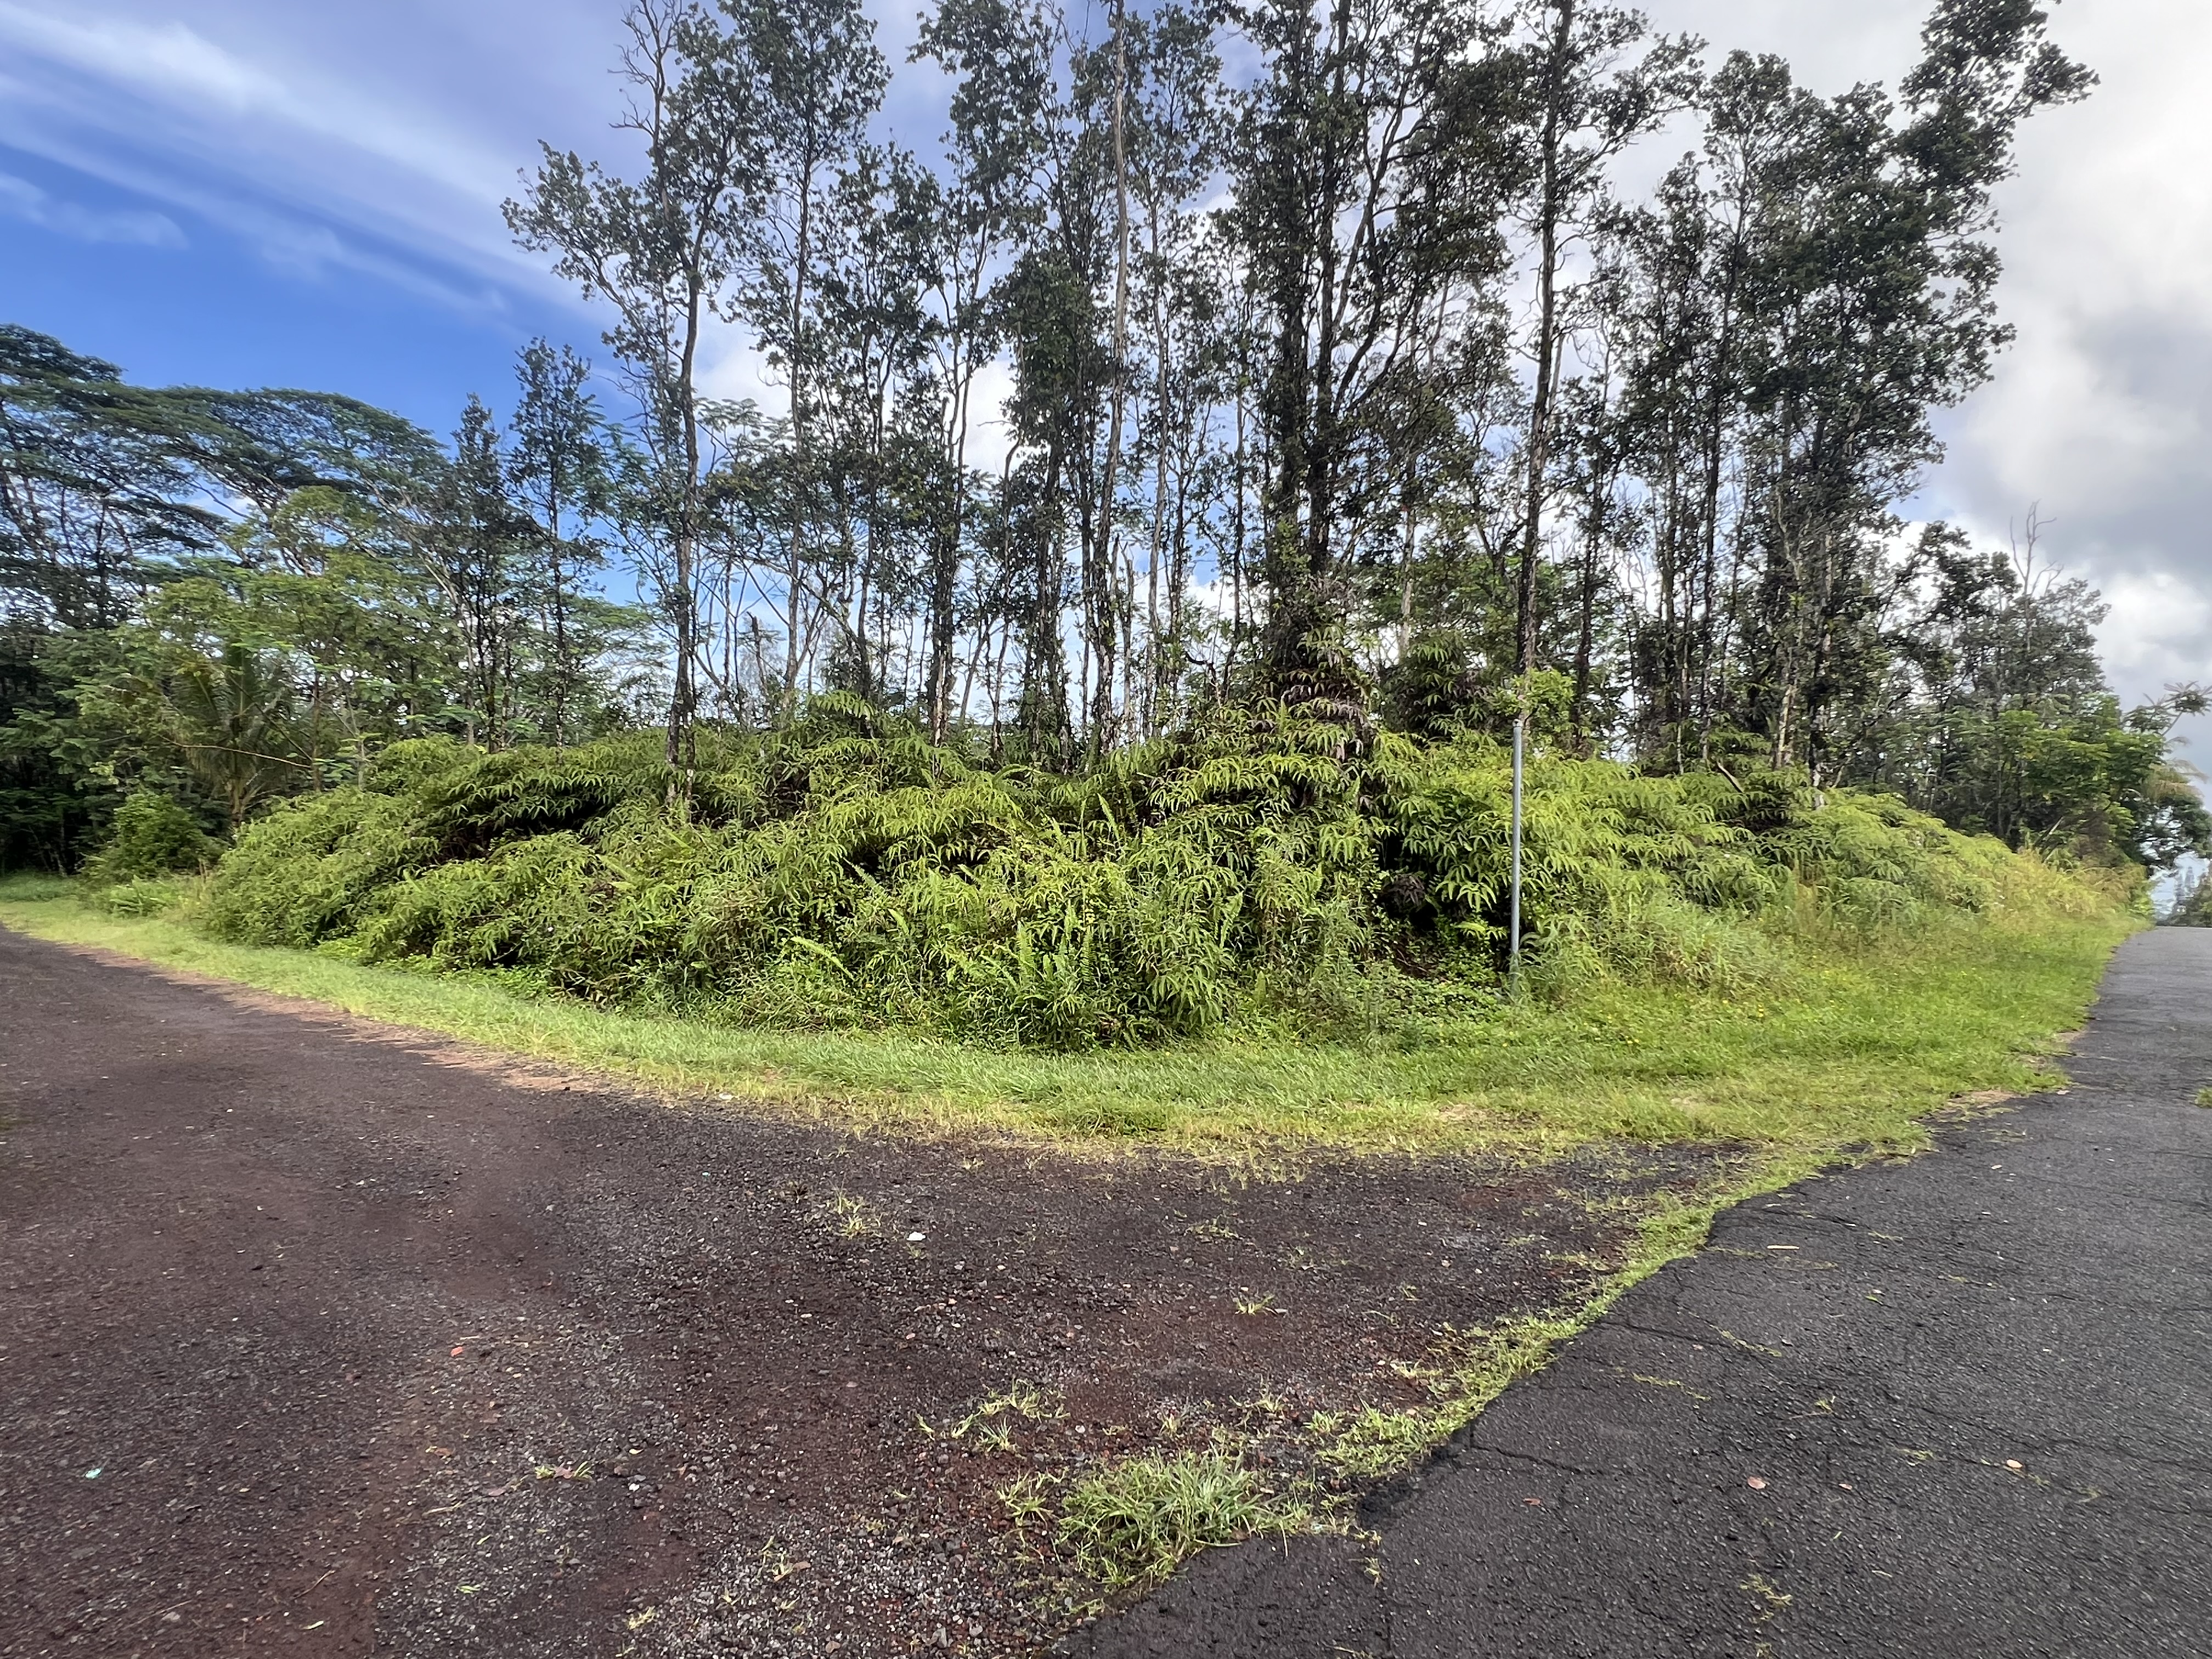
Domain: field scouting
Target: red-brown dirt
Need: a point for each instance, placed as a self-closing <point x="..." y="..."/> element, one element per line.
<point x="316" y="1341"/>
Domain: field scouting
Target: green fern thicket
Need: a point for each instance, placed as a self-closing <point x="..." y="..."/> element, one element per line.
<point x="1271" y="873"/>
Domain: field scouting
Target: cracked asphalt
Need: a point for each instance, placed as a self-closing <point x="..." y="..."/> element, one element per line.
<point x="1952" y="1405"/>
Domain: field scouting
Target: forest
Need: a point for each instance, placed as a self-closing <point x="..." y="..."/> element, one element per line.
<point x="1183" y="473"/>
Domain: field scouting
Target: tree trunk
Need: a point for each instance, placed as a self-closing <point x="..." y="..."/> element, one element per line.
<point x="1549" y="212"/>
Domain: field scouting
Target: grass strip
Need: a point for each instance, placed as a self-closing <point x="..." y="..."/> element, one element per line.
<point x="1869" y="1034"/>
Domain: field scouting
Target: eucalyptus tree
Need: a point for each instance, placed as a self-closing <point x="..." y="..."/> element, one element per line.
<point x="1877" y="280"/>
<point x="1586" y="100"/>
<point x="1368" y="179"/>
<point x="1174" y="121"/>
<point x="1052" y="318"/>
<point x="474" y="544"/>
<point x="1687" y="276"/>
<point x="879" y="421"/>
<point x="557" y="468"/>
<point x="999" y="56"/>
<point x="1087" y="237"/>
<point x="665" y="250"/>
<point x="821" y="79"/>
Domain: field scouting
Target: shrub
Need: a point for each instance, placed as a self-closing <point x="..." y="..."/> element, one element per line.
<point x="143" y="896"/>
<point x="153" y="835"/>
<point x="1269" y="872"/>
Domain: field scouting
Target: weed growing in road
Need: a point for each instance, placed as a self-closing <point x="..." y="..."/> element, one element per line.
<point x="1028" y="1500"/>
<point x="2204" y="1097"/>
<point x="991" y="1424"/>
<point x="852" y="1217"/>
<point x="1135" y="1522"/>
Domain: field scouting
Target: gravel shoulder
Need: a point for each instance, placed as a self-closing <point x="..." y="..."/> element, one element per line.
<point x="1952" y="1405"/>
<point x="324" y="1337"/>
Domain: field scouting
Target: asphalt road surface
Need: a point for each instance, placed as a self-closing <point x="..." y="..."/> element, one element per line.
<point x="1953" y="1405"/>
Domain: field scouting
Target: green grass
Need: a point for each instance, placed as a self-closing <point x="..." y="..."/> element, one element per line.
<point x="1135" y="1523"/>
<point x="1872" y="1033"/>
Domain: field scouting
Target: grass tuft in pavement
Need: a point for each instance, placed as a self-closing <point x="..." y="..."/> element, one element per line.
<point x="1135" y="1523"/>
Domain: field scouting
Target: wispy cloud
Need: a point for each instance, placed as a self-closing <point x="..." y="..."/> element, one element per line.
<point x="172" y="65"/>
<point x="21" y="200"/>
<point x="317" y="171"/>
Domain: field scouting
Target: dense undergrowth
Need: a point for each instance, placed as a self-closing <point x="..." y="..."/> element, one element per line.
<point x="1271" y="875"/>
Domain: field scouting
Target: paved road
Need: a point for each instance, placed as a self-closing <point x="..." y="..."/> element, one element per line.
<point x="1958" y="1405"/>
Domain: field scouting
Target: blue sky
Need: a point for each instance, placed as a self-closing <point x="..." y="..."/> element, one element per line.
<point x="286" y="192"/>
<point x="268" y="193"/>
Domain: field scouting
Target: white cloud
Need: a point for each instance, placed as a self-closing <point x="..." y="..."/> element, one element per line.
<point x="2158" y="629"/>
<point x="21" y="200"/>
<point x="172" y="64"/>
<point x="316" y="169"/>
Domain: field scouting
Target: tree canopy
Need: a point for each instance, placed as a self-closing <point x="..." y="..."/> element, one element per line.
<point x="1206" y="361"/>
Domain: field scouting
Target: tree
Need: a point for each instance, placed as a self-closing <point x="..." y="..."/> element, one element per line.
<point x="2192" y="902"/>
<point x="474" y="542"/>
<point x="821" y="79"/>
<point x="1584" y="109"/>
<point x="233" y="719"/>
<point x="999" y="55"/>
<point x="1877" y="282"/>
<point x="93" y="484"/>
<point x="1368" y="181"/>
<point x="558" y="470"/>
<point x="663" y="251"/>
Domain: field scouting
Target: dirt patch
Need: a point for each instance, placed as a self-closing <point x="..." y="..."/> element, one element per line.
<point x="314" y="1334"/>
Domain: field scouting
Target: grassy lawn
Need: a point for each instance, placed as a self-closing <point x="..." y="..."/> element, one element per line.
<point x="1867" y="1038"/>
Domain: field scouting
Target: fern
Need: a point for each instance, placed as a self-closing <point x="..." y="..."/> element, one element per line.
<point x="845" y="872"/>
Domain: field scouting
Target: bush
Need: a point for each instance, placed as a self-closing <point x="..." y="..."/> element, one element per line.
<point x="144" y="896"/>
<point x="1268" y="872"/>
<point x="153" y="835"/>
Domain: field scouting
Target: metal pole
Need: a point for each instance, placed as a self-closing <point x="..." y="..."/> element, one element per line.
<point x="1513" y="943"/>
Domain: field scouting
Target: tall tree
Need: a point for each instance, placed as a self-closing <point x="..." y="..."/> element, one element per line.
<point x="999" y="54"/>
<point x="1367" y="180"/>
<point x="558" y="468"/>
<point x="1880" y="287"/>
<point x="664" y="250"/>
<point x="821" y="79"/>
<point x="1585" y="106"/>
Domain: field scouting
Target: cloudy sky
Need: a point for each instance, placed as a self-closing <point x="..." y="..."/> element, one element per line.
<point x="266" y="192"/>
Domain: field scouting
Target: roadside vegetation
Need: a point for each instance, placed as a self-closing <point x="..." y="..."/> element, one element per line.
<point x="1251" y="941"/>
<point x="1277" y="941"/>
<point x="1148" y="786"/>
